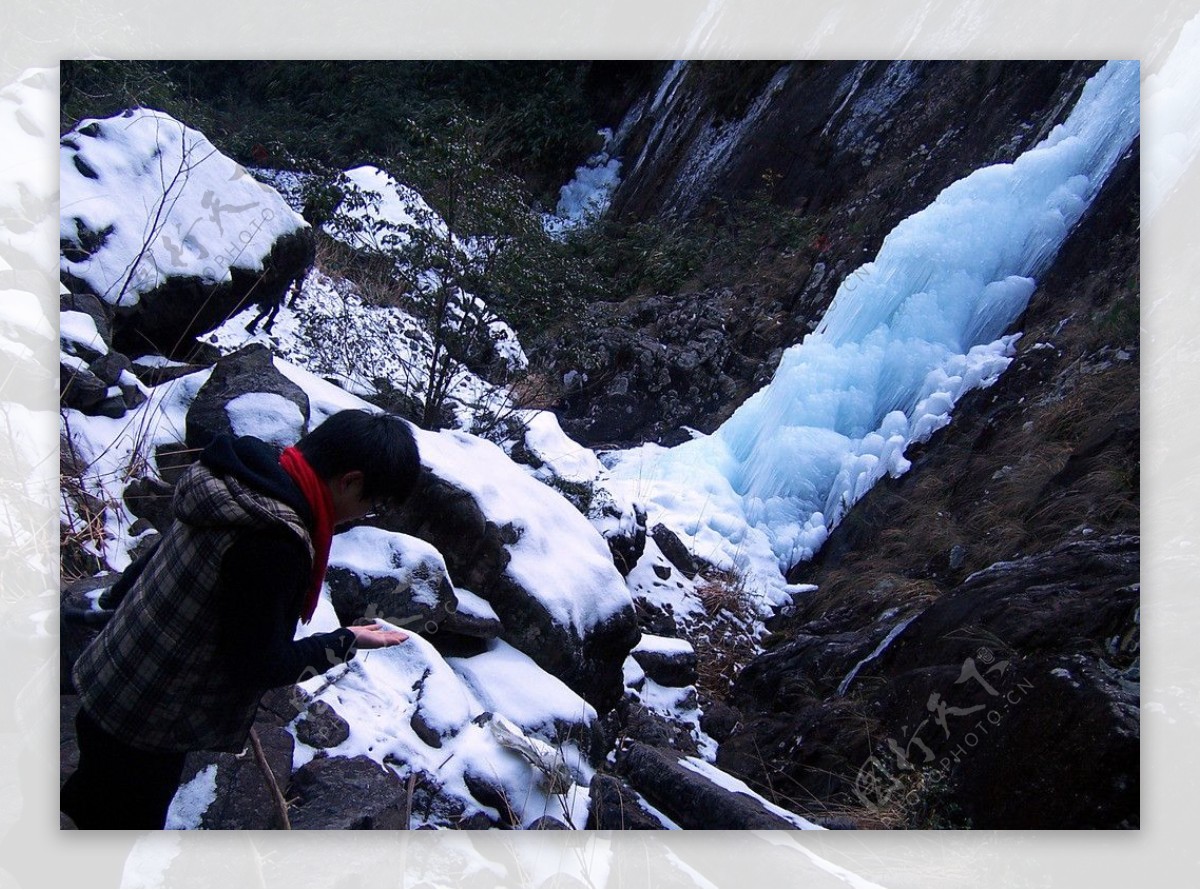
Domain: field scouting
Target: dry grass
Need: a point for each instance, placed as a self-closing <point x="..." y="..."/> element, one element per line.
<point x="83" y="535"/>
<point x="537" y="390"/>
<point x="870" y="583"/>
<point x="374" y="277"/>
<point x="724" y="639"/>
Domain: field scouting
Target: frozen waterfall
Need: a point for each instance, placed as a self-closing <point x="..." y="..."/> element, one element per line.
<point x="905" y="337"/>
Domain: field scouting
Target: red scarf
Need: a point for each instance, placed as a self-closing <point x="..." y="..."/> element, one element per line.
<point x="316" y="492"/>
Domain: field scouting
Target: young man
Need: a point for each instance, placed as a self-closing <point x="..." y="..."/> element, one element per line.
<point x="207" y="624"/>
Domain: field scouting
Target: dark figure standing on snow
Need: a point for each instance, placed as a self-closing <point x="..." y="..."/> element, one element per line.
<point x="207" y="622"/>
<point x="319" y="207"/>
<point x="270" y="308"/>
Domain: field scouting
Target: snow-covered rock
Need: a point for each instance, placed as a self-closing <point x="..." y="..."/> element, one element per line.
<point x="247" y="396"/>
<point x="527" y="551"/>
<point x="374" y="573"/>
<point x="172" y="233"/>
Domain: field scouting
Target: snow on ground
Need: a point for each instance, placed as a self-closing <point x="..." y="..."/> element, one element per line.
<point x="905" y="337"/>
<point x="381" y="692"/>
<point x="145" y="197"/>
<point x="192" y="799"/>
<point x="332" y="333"/>
<point x="676" y="590"/>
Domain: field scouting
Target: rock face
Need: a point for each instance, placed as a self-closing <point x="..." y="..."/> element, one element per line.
<point x="987" y="691"/>
<point x="829" y="129"/>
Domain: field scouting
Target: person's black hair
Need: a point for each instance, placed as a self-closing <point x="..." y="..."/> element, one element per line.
<point x="380" y="445"/>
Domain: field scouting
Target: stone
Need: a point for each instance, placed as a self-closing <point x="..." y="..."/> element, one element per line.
<point x="150" y="499"/>
<point x="173" y="459"/>
<point x="283" y="704"/>
<point x="113" y="406"/>
<point x="101" y="312"/>
<point x="667" y="668"/>
<point x="347" y="793"/>
<point x="110" y="366"/>
<point x="476" y="553"/>
<point x="243" y="798"/>
<point x="322" y="727"/>
<point x="155" y="374"/>
<point x="673" y="549"/>
<point x="490" y="793"/>
<point x="719" y="719"/>
<point x="688" y="798"/>
<point x="411" y="588"/>
<point x="80" y="389"/>
<point x="547" y="823"/>
<point x="1079" y="590"/>
<point x="613" y="805"/>
<point x="250" y="370"/>
<point x="626" y="540"/>
<point x="424" y="731"/>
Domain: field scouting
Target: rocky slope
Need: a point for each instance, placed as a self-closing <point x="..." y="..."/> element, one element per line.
<point x="1013" y="540"/>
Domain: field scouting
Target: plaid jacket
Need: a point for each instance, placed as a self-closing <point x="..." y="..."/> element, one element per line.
<point x="154" y="677"/>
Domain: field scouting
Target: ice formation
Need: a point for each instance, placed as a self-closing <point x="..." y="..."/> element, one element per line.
<point x="905" y="337"/>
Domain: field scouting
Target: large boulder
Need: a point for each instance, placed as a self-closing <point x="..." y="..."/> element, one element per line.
<point x="525" y="549"/>
<point x="247" y="395"/>
<point x="194" y="240"/>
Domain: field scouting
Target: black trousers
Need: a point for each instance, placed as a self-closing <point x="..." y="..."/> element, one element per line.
<point x="118" y="786"/>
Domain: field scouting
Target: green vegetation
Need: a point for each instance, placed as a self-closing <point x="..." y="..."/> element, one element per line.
<point x="541" y="117"/>
<point x="720" y="246"/>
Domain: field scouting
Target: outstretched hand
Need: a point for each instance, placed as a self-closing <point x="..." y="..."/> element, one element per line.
<point x="374" y="636"/>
